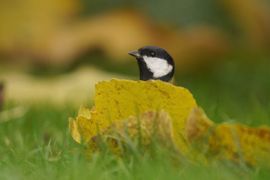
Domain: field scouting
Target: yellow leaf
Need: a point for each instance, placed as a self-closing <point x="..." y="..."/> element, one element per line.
<point x="81" y="127"/>
<point x="197" y="125"/>
<point x="242" y="143"/>
<point x="147" y="128"/>
<point x="117" y="100"/>
<point x="149" y="125"/>
<point x="138" y="107"/>
<point x="236" y="142"/>
<point x="74" y="130"/>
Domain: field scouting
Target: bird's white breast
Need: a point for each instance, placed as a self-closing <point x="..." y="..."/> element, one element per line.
<point x="159" y="67"/>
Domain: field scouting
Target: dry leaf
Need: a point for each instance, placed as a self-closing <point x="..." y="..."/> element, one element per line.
<point x="117" y="100"/>
<point x="149" y="127"/>
<point x="235" y="142"/>
<point x="119" y="104"/>
<point x="76" y="87"/>
<point x="197" y="125"/>
<point x="117" y="32"/>
<point x="79" y="128"/>
<point x="241" y="143"/>
<point x="113" y="33"/>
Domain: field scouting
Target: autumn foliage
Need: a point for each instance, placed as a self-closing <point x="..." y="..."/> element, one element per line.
<point x="168" y="113"/>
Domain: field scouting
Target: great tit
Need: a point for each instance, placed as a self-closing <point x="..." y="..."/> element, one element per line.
<point x="154" y="63"/>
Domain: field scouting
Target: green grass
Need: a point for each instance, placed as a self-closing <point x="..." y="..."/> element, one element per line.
<point x="37" y="144"/>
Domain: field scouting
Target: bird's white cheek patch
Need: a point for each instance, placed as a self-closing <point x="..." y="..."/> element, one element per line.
<point x="159" y="67"/>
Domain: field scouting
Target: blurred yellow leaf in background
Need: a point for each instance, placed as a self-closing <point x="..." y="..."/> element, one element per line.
<point x="26" y="24"/>
<point x="73" y="88"/>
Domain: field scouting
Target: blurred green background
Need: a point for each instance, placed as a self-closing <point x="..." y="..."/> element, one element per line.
<point x="52" y="52"/>
<point x="55" y="51"/>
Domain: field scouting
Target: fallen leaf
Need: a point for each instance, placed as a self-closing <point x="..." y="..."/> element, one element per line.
<point x="62" y="89"/>
<point x="147" y="128"/>
<point x="136" y="108"/>
<point x="113" y="33"/>
<point x="228" y="141"/>
<point x="117" y="100"/>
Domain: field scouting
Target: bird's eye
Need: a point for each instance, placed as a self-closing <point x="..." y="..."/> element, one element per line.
<point x="152" y="53"/>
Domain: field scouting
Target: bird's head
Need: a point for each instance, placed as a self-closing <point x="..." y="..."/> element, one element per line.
<point x="154" y="63"/>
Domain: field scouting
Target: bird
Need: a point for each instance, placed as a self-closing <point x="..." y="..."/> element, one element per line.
<point x="154" y="63"/>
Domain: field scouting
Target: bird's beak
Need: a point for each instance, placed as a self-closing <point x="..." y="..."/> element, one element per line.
<point x="135" y="53"/>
